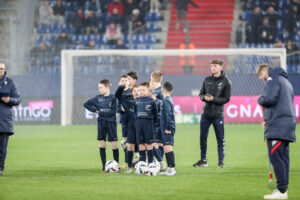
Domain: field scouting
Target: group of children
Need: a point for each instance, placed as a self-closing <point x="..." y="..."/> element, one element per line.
<point x="147" y="119"/>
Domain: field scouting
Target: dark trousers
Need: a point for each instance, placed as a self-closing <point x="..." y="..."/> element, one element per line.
<point x="280" y="160"/>
<point x="218" y="124"/>
<point x="3" y="148"/>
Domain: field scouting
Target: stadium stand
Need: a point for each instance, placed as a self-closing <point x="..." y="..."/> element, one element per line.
<point x="210" y="26"/>
<point x="286" y="19"/>
<point x="47" y="34"/>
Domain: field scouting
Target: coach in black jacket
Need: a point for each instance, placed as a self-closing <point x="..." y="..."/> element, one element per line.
<point x="280" y="123"/>
<point x="9" y="97"/>
<point x="215" y="92"/>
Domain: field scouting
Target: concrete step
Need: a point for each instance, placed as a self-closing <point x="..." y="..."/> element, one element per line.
<point x="11" y="3"/>
<point x="9" y="12"/>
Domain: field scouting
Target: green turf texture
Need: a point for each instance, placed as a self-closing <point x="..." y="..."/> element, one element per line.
<point x="53" y="162"/>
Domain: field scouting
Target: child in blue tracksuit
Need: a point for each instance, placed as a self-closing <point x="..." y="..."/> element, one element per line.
<point x="158" y="149"/>
<point x="131" y="137"/>
<point x="168" y="128"/>
<point x="106" y="106"/>
<point x="146" y="116"/>
<point x="125" y="98"/>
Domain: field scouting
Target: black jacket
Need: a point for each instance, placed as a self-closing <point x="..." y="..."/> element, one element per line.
<point x="278" y="103"/>
<point x="105" y="105"/>
<point x="167" y="116"/>
<point x="145" y="108"/>
<point x="126" y="100"/>
<point x="8" y="88"/>
<point x="220" y="89"/>
<point x="183" y="4"/>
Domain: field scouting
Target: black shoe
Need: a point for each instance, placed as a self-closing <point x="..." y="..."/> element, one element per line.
<point x="1" y="173"/>
<point x="221" y="165"/>
<point x="201" y="163"/>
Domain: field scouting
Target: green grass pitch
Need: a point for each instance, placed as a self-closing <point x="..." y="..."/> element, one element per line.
<point x="53" y="162"/>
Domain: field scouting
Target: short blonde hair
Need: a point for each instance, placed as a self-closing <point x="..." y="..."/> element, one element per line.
<point x="261" y="68"/>
<point x="157" y="76"/>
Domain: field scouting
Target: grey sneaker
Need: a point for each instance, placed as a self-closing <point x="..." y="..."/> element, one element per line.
<point x="169" y="172"/>
<point x="1" y="173"/>
<point x="201" y="163"/>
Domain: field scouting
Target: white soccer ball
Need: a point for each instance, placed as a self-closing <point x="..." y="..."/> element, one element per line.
<point x="141" y="167"/>
<point x="157" y="164"/>
<point x="112" y="166"/>
<point x="153" y="169"/>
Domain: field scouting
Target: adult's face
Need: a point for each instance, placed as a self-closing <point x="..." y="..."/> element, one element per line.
<point x="2" y="70"/>
<point x="215" y="69"/>
<point x="263" y="75"/>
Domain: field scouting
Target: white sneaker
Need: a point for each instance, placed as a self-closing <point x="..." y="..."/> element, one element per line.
<point x="128" y="171"/>
<point x="169" y="172"/>
<point x="277" y="195"/>
<point x="163" y="166"/>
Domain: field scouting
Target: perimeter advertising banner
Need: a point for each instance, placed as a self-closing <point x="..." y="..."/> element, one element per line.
<point x="240" y="109"/>
<point x="37" y="111"/>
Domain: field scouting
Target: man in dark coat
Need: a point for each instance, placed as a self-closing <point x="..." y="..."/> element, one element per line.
<point x="279" y="125"/>
<point x="215" y="93"/>
<point x="9" y="97"/>
<point x="181" y="9"/>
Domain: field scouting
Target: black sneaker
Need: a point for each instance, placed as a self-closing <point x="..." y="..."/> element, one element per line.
<point x="221" y="165"/>
<point x="201" y="163"/>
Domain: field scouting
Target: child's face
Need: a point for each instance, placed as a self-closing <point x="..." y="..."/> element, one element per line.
<point x="163" y="91"/>
<point x="144" y="91"/>
<point x="131" y="81"/>
<point x="102" y="89"/>
<point x="136" y="92"/>
<point x="124" y="81"/>
<point x="151" y="85"/>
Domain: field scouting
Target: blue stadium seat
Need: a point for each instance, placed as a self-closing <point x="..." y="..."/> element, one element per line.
<point x="71" y="6"/>
<point x="246" y="15"/>
<point x="282" y="14"/>
<point x="39" y="39"/>
<point x="279" y="26"/>
<point x="152" y="17"/>
<point x="138" y="39"/>
<point x="152" y="28"/>
<point x="56" y="28"/>
<point x="86" y="39"/>
<point x="69" y="17"/>
<point x="298" y="26"/>
<point x="53" y="39"/>
<point x="283" y="4"/>
<point x="44" y="28"/>
<point x="150" y="39"/>
<point x="99" y="39"/>
<point x="125" y="39"/>
<point x="297" y="38"/>
<point x="68" y="28"/>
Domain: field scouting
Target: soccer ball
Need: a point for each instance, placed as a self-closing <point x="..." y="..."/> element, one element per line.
<point x="153" y="169"/>
<point x="112" y="166"/>
<point x="141" y="168"/>
<point x="157" y="164"/>
<point x="124" y="145"/>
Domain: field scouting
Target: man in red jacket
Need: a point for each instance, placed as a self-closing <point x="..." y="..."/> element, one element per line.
<point x="116" y="4"/>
